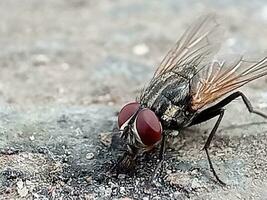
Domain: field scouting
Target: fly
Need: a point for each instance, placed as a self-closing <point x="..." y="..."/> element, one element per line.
<point x="189" y="87"/>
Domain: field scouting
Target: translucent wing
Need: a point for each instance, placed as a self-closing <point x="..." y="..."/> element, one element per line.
<point x="197" y="44"/>
<point x="220" y="78"/>
<point x="194" y="50"/>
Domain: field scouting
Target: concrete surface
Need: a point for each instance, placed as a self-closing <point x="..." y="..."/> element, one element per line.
<point x="66" y="69"/>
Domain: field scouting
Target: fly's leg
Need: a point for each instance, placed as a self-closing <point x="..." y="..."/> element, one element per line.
<point x="207" y="113"/>
<point x="119" y="162"/>
<point x="207" y="144"/>
<point x="235" y="95"/>
<point x="126" y="162"/>
<point x="161" y="157"/>
<point x="204" y="116"/>
<point x="216" y="110"/>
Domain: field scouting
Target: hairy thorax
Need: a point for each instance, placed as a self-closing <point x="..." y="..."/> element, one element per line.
<point x="169" y="97"/>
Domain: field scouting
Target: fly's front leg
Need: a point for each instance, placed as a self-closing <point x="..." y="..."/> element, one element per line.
<point x="126" y="162"/>
<point x="161" y="156"/>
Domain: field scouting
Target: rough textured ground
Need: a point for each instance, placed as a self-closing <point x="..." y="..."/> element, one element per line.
<point x="66" y="69"/>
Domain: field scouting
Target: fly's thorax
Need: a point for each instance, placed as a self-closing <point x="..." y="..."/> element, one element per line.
<point x="172" y="85"/>
<point x="155" y="87"/>
<point x="169" y="97"/>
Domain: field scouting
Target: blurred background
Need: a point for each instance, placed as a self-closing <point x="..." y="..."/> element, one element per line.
<point x="66" y="68"/>
<point x="85" y="52"/>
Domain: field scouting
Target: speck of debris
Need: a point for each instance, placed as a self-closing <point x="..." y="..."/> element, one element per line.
<point x="23" y="192"/>
<point x="65" y="66"/>
<point x="9" y="151"/>
<point x="20" y="184"/>
<point x="140" y="49"/>
<point x="90" y="156"/>
<point x="121" y="176"/>
<point x="106" y="138"/>
<point x="40" y="59"/>
<point x="32" y="138"/>
<point x="21" y="189"/>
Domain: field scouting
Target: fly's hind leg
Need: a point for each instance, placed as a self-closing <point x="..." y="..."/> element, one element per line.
<point x="217" y="110"/>
<point x="235" y="95"/>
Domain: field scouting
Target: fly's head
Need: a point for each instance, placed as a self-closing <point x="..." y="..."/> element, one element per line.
<point x="141" y="129"/>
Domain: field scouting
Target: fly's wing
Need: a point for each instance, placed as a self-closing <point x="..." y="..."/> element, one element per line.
<point x="211" y="79"/>
<point x="196" y="46"/>
<point x="222" y="77"/>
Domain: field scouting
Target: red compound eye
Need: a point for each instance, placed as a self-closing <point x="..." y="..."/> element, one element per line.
<point x="148" y="127"/>
<point x="126" y="112"/>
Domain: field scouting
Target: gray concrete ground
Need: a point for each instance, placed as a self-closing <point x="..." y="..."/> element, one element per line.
<point x="66" y="69"/>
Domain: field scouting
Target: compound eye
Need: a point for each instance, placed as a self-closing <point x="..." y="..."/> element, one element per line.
<point x="148" y="127"/>
<point x="127" y="112"/>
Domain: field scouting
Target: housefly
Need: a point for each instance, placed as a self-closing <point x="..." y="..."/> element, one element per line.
<point x="189" y="87"/>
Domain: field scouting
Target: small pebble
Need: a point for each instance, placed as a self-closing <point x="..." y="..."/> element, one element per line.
<point x="65" y="66"/>
<point x="238" y="196"/>
<point x="28" y="182"/>
<point x="177" y="194"/>
<point x="23" y="192"/>
<point x="108" y="191"/>
<point x="122" y="190"/>
<point x="195" y="184"/>
<point x="40" y="60"/>
<point x="20" y="184"/>
<point x="89" y="156"/>
<point x="106" y="139"/>
<point x="140" y="49"/>
<point x="121" y="176"/>
<point x="89" y="179"/>
<point x="194" y="172"/>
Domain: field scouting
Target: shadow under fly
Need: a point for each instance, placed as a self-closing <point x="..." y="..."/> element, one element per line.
<point x="189" y="87"/>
